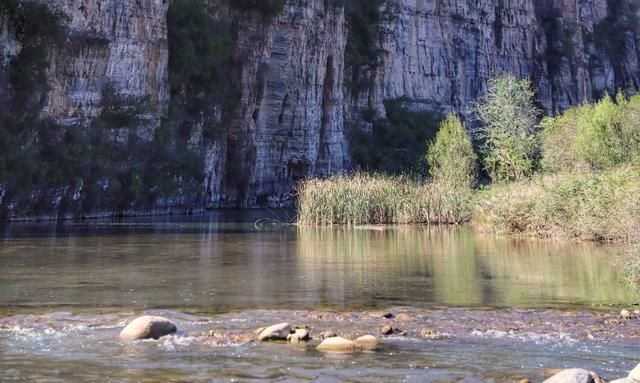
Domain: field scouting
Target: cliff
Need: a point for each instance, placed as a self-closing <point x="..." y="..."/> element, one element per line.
<point x="293" y="79"/>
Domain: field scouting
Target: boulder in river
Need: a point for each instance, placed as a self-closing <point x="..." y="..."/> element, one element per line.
<point x="276" y="332"/>
<point x="575" y="375"/>
<point x="339" y="344"/>
<point x="147" y="327"/>
<point x="328" y="334"/>
<point x="626" y="314"/>
<point x="368" y="342"/>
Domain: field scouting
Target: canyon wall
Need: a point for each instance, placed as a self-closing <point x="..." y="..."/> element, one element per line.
<point x="294" y="108"/>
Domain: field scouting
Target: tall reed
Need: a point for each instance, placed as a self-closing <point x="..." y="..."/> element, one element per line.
<point x="361" y="198"/>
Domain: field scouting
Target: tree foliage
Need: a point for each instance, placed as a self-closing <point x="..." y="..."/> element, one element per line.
<point x="451" y="156"/>
<point x="508" y="117"/>
<point x="269" y="8"/>
<point x="597" y="137"/>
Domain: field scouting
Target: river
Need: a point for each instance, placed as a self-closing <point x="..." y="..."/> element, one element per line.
<point x="507" y="308"/>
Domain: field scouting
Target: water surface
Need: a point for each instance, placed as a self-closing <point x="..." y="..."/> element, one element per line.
<point x="84" y="281"/>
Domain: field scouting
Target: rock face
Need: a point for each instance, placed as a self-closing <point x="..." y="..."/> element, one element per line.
<point x="147" y="327"/>
<point x="440" y="54"/>
<point x="295" y="108"/>
<point x="114" y="46"/>
<point x="290" y="120"/>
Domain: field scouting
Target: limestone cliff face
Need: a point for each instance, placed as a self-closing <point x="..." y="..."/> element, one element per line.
<point x="440" y="53"/>
<point x="290" y="120"/>
<point x="115" y="46"/>
<point x="295" y="109"/>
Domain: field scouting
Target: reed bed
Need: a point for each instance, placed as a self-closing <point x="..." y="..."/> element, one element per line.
<point x="361" y="198"/>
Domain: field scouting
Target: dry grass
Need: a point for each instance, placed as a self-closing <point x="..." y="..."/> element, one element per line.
<point x="362" y="198"/>
<point x="583" y="205"/>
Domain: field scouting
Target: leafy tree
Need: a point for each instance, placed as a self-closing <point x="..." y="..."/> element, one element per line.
<point x="594" y="137"/>
<point x="451" y="156"/>
<point x="509" y="116"/>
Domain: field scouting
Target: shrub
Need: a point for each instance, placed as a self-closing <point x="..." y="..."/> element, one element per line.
<point x="450" y="156"/>
<point x="598" y="137"/>
<point x="583" y="205"/>
<point x="632" y="268"/>
<point x="509" y="119"/>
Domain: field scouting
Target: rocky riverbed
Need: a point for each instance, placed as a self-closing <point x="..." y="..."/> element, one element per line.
<point x="576" y="337"/>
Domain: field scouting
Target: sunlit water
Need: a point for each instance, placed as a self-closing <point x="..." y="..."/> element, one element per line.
<point x="204" y="270"/>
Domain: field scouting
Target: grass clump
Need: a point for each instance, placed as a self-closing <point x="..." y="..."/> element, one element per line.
<point x="585" y="205"/>
<point x="363" y="198"/>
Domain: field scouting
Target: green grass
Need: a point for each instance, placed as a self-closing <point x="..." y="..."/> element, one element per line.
<point x="583" y="205"/>
<point x="363" y="198"/>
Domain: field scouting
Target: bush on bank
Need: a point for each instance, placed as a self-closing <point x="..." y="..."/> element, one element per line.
<point x="585" y="205"/>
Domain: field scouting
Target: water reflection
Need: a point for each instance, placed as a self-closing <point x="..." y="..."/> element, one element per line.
<point x="214" y="262"/>
<point x="443" y="266"/>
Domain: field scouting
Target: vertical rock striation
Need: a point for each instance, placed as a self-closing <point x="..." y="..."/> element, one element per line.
<point x="439" y="54"/>
<point x="117" y="47"/>
<point x="290" y="120"/>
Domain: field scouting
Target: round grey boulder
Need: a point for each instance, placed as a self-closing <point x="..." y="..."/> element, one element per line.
<point x="339" y="344"/>
<point x="276" y="332"/>
<point x="147" y="327"/>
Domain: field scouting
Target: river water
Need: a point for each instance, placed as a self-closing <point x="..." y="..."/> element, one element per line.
<point x="67" y="289"/>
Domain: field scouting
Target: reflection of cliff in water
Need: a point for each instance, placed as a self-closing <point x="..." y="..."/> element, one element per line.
<point x="448" y="266"/>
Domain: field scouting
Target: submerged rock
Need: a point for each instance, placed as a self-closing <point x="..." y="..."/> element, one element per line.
<point x="368" y="342"/>
<point x="388" y="330"/>
<point x="147" y="327"/>
<point x="276" y="332"/>
<point x="575" y="375"/>
<point x="339" y="344"/>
